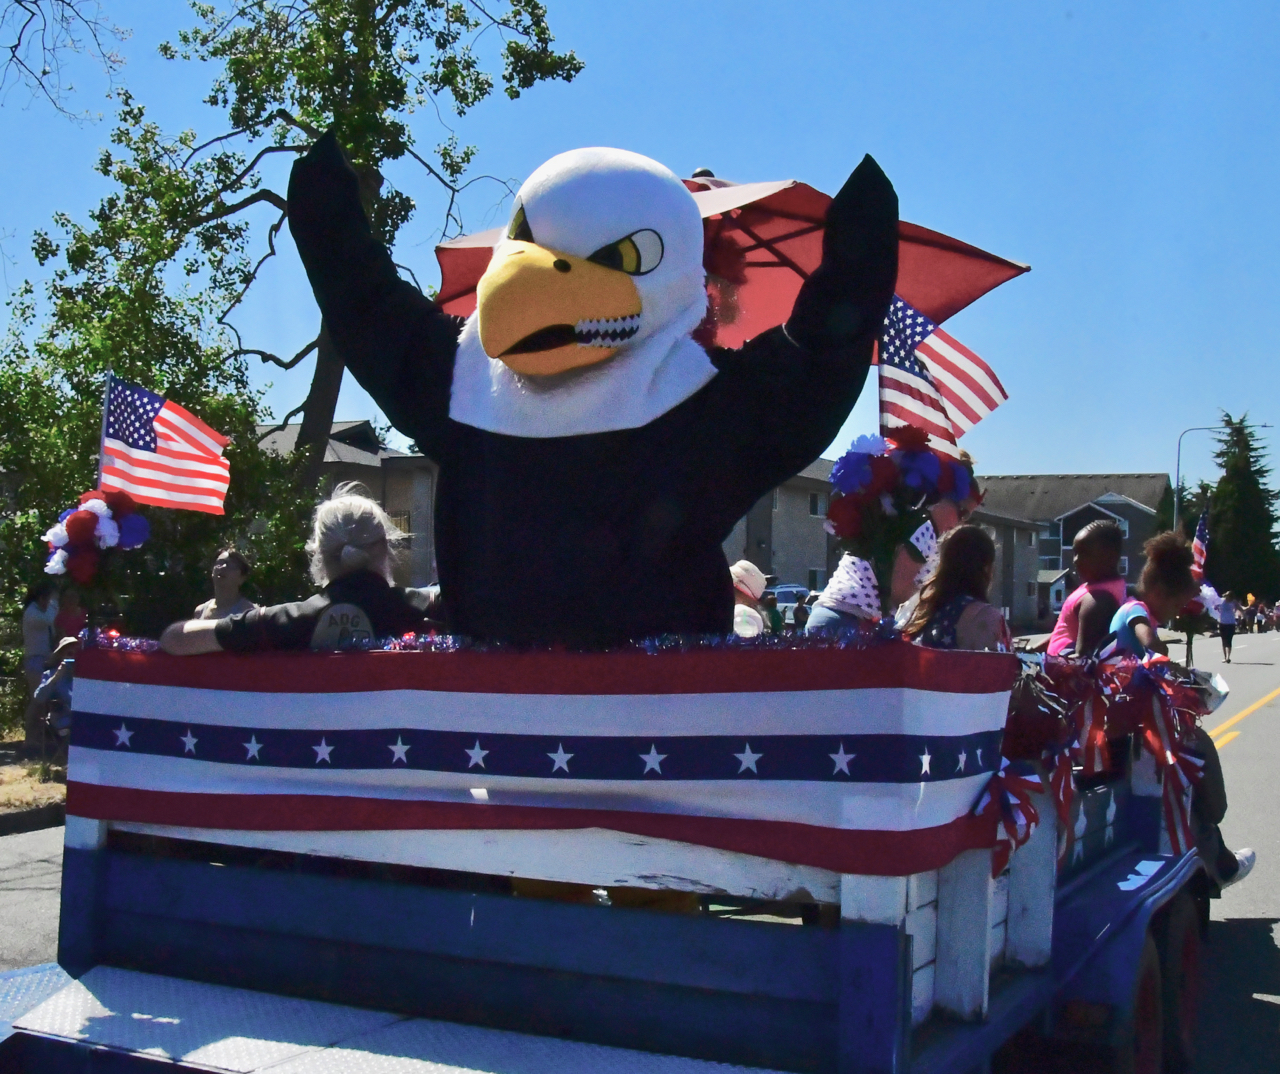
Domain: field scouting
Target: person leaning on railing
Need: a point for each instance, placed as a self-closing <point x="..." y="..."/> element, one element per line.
<point x="352" y="557"/>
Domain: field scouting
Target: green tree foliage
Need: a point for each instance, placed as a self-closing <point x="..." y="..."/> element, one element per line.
<point x="148" y="284"/>
<point x="1193" y="502"/>
<point x="1242" y="520"/>
<point x="292" y="69"/>
<point x="137" y="289"/>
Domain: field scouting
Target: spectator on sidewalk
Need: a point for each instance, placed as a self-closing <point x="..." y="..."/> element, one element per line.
<point x="39" y="613"/>
<point x="53" y="695"/>
<point x="800" y="613"/>
<point x="72" y="617"/>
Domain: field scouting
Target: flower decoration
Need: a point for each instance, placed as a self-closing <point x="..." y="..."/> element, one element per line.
<point x="869" y="445"/>
<point x="920" y="469"/>
<point x="102" y="521"/>
<point x="852" y="472"/>
<point x="885" y="487"/>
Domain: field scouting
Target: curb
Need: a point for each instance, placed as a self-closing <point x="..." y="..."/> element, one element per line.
<point x="52" y="815"/>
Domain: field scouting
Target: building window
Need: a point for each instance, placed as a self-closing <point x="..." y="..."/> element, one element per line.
<point x="1031" y="538"/>
<point x="817" y="504"/>
<point x="775" y="499"/>
<point x="817" y="577"/>
<point x="1124" y="566"/>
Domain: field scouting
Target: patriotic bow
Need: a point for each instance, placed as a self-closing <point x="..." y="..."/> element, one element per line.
<point x="1007" y="800"/>
<point x="1161" y="734"/>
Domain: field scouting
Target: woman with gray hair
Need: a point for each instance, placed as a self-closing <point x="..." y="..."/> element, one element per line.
<point x="352" y="557"/>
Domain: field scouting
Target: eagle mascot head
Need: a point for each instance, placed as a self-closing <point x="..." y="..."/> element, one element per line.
<point x="590" y="297"/>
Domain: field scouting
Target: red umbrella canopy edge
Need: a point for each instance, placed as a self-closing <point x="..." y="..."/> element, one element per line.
<point x="761" y="241"/>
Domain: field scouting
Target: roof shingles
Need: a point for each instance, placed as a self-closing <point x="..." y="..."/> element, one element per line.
<point x="1044" y="497"/>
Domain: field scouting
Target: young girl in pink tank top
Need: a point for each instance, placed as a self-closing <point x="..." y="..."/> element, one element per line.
<point x="1096" y="551"/>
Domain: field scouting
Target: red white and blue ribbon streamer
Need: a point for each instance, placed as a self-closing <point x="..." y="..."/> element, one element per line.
<point x="1007" y="800"/>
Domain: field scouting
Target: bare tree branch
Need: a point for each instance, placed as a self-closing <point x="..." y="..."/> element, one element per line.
<point x="267" y="356"/>
<point x="412" y="275"/>
<point x="257" y="197"/>
<point x="272" y="232"/>
<point x="42" y="34"/>
<point x="285" y="423"/>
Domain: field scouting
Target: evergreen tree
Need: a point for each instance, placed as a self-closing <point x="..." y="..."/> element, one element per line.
<point x="1242" y="520"/>
<point x="1192" y="503"/>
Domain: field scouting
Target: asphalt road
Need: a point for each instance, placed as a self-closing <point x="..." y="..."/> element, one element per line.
<point x="1240" y="1014"/>
<point x="30" y="876"/>
<point x="1240" y="1021"/>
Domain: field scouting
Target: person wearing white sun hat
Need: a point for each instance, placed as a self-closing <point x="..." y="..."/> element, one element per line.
<point x="748" y="587"/>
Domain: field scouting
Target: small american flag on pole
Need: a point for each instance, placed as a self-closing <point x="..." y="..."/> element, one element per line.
<point x="160" y="453"/>
<point x="1200" y="547"/>
<point x="931" y="380"/>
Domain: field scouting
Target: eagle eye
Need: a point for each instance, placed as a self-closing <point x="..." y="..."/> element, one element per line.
<point x="520" y="230"/>
<point x="636" y="254"/>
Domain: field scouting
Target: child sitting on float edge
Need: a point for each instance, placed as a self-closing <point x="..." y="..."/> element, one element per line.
<point x="1166" y="586"/>
<point x="1086" y="614"/>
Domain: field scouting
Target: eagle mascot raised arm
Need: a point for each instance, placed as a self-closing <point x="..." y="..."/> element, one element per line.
<point x="593" y="456"/>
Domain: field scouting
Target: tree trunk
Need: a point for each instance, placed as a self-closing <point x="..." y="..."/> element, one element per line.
<point x="322" y="401"/>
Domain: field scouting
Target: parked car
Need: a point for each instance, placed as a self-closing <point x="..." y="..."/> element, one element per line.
<point x="787" y="596"/>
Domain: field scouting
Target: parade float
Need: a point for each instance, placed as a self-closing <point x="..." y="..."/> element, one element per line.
<point x="477" y="852"/>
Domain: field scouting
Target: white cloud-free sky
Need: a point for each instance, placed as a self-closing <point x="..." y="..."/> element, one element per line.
<point x="1127" y="152"/>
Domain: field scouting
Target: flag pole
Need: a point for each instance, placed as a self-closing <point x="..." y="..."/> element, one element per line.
<point x="102" y="437"/>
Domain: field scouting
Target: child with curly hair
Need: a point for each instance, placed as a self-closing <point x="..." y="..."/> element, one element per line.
<point x="1167" y="584"/>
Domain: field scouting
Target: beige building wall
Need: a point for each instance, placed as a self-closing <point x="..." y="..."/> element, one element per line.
<point x="799" y="541"/>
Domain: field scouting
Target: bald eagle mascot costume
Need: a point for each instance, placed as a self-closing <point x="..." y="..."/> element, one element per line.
<point x="593" y="456"/>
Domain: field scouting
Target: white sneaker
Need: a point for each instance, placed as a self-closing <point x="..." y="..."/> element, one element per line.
<point x="1246" y="858"/>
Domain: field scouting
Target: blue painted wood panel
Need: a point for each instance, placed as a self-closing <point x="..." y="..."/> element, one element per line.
<point x="730" y="1027"/>
<point x="744" y="957"/>
<point x="875" y="999"/>
<point x="79" y="924"/>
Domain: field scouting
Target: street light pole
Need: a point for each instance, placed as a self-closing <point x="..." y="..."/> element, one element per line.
<point x="1177" y="486"/>
<point x="1177" y="481"/>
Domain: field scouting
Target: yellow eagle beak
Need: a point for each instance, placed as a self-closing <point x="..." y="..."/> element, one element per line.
<point x="544" y="312"/>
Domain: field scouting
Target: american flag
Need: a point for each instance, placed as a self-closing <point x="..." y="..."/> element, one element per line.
<point x="1200" y="547"/>
<point x="160" y="453"/>
<point x="931" y="380"/>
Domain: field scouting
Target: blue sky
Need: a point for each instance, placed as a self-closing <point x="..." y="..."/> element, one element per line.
<point x="1127" y="152"/>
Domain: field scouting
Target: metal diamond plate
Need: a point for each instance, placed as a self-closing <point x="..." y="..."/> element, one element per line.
<point x="422" y="1046"/>
<point x="22" y="990"/>
<point x="224" y="1028"/>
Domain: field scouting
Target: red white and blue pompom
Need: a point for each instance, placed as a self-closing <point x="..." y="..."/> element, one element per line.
<point x="102" y="521"/>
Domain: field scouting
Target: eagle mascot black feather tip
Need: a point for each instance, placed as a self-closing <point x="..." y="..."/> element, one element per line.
<point x="592" y="456"/>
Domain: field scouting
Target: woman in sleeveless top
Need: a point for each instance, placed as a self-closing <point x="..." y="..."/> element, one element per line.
<point x="953" y="612"/>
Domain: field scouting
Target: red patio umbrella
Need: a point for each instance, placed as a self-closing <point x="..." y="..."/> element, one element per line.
<point x="761" y="241"/>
